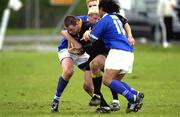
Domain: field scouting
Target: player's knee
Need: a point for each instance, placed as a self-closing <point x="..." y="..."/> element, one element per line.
<point x="94" y="65"/>
<point x="106" y="81"/>
<point x="67" y="74"/>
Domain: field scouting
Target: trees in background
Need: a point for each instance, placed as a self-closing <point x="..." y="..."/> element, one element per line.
<point x="49" y="15"/>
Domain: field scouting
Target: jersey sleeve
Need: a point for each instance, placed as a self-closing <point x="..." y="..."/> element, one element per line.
<point x="97" y="30"/>
<point x="123" y="20"/>
<point x="82" y="17"/>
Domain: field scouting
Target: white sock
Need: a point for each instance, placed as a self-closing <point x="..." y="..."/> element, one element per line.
<point x="116" y="101"/>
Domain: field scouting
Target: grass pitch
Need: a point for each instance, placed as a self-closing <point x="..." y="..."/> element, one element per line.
<point x="28" y="81"/>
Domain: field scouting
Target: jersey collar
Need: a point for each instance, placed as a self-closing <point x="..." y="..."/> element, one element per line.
<point x="104" y="15"/>
<point x="80" y="24"/>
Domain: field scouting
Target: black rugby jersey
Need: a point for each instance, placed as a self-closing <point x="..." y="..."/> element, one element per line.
<point x="93" y="49"/>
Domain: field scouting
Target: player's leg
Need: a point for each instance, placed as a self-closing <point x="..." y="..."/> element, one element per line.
<point x="88" y="84"/>
<point x="115" y="105"/>
<point x="82" y="62"/>
<point x="134" y="101"/>
<point x="130" y="88"/>
<point x="104" y="107"/>
<point x="116" y="85"/>
<point x="67" y="67"/>
<point x="115" y="68"/>
<point x="96" y="65"/>
<point x="97" y="81"/>
<point x="131" y="106"/>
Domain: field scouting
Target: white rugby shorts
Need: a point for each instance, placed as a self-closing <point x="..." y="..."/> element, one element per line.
<point x="78" y="59"/>
<point x="120" y="60"/>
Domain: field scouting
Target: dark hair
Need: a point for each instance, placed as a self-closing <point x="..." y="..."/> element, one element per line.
<point x="70" y="20"/>
<point x="109" y="6"/>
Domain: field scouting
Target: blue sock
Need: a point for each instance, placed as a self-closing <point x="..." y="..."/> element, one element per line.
<point x="60" y="88"/>
<point x="119" y="87"/>
<point x="129" y="88"/>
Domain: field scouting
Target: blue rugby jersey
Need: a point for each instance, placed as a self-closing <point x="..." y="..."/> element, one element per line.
<point x="63" y="42"/>
<point x="110" y="29"/>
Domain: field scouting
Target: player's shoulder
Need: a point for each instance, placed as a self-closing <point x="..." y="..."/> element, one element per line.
<point x="104" y="20"/>
<point x="82" y="17"/>
<point x="106" y="17"/>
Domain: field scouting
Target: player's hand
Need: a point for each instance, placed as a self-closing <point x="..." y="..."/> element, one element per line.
<point x="86" y="36"/>
<point x="131" y="40"/>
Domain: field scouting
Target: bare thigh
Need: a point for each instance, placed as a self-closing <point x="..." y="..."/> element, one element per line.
<point x="68" y="68"/>
<point x="97" y="64"/>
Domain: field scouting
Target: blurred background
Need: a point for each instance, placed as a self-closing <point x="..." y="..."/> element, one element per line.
<point x="38" y="22"/>
<point x="148" y="18"/>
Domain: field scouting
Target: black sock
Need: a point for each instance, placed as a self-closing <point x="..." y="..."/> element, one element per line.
<point x="115" y="95"/>
<point x="97" y="87"/>
<point x="103" y="101"/>
<point x="97" y="84"/>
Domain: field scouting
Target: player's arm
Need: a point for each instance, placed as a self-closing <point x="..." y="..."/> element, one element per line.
<point x="129" y="34"/>
<point x="67" y="36"/>
<point x="86" y="36"/>
<point x="127" y="28"/>
<point x="74" y="47"/>
<point x="96" y="32"/>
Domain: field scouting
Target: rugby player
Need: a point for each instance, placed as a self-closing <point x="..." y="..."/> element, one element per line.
<point x="75" y="32"/>
<point x="120" y="57"/>
<point x="67" y="61"/>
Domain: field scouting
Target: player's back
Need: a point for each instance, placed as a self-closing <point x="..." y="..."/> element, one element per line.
<point x="110" y="30"/>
